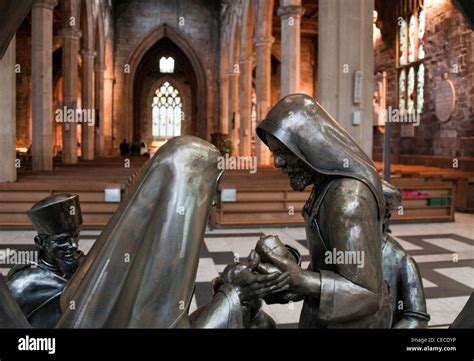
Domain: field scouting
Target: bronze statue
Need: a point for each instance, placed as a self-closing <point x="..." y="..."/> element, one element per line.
<point x="141" y="270"/>
<point x="343" y="215"/>
<point x="252" y="311"/>
<point x="401" y="272"/>
<point x="37" y="287"/>
<point x="11" y="315"/>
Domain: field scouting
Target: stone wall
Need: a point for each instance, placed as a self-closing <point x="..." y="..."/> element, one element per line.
<point x="196" y="21"/>
<point x="449" y="49"/>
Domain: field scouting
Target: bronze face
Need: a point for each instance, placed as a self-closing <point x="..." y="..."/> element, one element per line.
<point x="300" y="174"/>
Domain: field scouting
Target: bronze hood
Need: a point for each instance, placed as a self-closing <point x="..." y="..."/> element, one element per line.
<point x="141" y="270"/>
<point x="307" y="129"/>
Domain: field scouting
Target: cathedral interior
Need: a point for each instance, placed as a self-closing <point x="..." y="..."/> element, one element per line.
<point x="91" y="90"/>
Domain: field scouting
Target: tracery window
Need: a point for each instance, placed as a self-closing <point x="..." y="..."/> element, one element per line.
<point x="167" y="112"/>
<point x="410" y="55"/>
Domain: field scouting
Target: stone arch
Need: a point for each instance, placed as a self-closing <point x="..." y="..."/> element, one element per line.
<point x="248" y="27"/>
<point x="155" y="35"/>
<point x="87" y="25"/>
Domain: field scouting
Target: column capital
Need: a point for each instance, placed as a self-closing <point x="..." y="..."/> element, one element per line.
<point x="45" y="4"/>
<point x="88" y="53"/>
<point x="263" y="40"/>
<point x="70" y="33"/>
<point x="295" y="11"/>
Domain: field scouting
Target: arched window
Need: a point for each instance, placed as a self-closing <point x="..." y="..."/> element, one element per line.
<point x="166" y="112"/>
<point x="166" y="65"/>
<point x="410" y="55"/>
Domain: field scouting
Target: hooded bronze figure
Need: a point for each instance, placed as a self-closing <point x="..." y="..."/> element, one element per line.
<point x="140" y="273"/>
<point x="343" y="216"/>
<point x="401" y="273"/>
<point x="37" y="287"/>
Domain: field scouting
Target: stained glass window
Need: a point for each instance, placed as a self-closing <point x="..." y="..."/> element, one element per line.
<point x="411" y="52"/>
<point x="402" y="39"/>
<point x="411" y="89"/>
<point x="166" y="112"/>
<point x="402" y="89"/>
<point x="421" y="34"/>
<point x="420" y="83"/>
<point x="412" y="36"/>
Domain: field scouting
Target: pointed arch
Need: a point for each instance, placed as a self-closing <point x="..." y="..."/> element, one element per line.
<point x="155" y="35"/>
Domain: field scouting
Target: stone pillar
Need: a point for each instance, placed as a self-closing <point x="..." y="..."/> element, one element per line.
<point x="108" y="113"/>
<point x="8" y="115"/>
<point x="42" y="83"/>
<point x="245" y="109"/>
<point x="263" y="45"/>
<point x="290" y="12"/>
<point x="345" y="46"/>
<point x="70" y="37"/>
<point x="234" y="115"/>
<point x="99" y="105"/>
<point x="87" y="141"/>
<point x="224" y="98"/>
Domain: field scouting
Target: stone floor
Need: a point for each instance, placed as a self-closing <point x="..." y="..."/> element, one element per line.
<point x="444" y="252"/>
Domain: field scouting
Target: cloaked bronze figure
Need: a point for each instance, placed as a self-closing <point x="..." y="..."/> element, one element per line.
<point x="37" y="287"/>
<point x="344" y="213"/>
<point x="11" y="315"/>
<point x="140" y="273"/>
<point x="402" y="274"/>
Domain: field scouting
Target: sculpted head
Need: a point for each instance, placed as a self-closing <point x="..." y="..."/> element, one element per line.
<point x="300" y="174"/>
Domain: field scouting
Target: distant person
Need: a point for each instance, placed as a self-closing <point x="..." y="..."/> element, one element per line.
<point x="144" y="149"/>
<point x="124" y="147"/>
<point x="134" y="148"/>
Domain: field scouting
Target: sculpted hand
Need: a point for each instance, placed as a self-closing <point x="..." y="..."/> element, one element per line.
<point x="283" y="264"/>
<point x="251" y="285"/>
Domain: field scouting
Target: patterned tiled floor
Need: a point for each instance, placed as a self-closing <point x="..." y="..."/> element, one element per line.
<point x="444" y="253"/>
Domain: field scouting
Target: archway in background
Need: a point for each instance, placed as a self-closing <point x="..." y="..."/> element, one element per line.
<point x="144" y="71"/>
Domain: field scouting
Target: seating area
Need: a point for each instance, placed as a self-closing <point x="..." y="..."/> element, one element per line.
<point x="430" y="194"/>
<point x="87" y="179"/>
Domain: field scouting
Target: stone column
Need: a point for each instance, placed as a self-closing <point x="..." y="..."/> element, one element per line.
<point x="245" y="109"/>
<point x="99" y="105"/>
<point x="8" y="115"/>
<point x="108" y="110"/>
<point x="345" y="49"/>
<point x="263" y="45"/>
<point x="234" y="110"/>
<point x="42" y="83"/>
<point x="224" y="98"/>
<point x="290" y="12"/>
<point x="70" y="37"/>
<point x="87" y="141"/>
